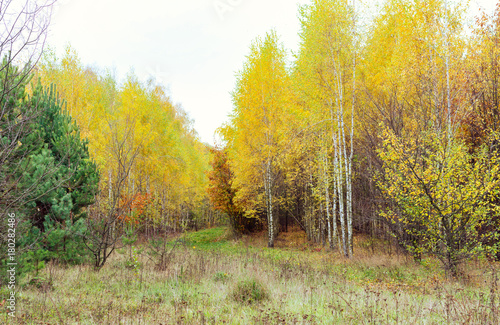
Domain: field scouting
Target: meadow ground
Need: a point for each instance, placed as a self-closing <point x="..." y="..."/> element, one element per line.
<point x="210" y="279"/>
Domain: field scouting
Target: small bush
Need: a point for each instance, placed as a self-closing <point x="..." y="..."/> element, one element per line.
<point x="41" y="283"/>
<point x="249" y="291"/>
<point x="221" y="276"/>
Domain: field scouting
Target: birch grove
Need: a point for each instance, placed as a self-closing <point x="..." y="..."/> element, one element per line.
<point x="357" y="88"/>
<point x="307" y="106"/>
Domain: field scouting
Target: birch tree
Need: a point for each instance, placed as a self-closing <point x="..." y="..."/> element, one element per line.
<point x="413" y="77"/>
<point x="436" y="183"/>
<point x="255" y="131"/>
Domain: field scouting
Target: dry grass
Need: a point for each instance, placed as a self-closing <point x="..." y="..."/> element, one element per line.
<point x="304" y="286"/>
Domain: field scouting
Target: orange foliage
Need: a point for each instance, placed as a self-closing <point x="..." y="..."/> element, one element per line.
<point x="133" y="207"/>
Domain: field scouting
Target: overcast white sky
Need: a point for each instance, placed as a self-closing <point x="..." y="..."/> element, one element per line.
<point x="193" y="47"/>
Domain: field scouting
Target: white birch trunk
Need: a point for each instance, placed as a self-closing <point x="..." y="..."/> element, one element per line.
<point x="345" y="178"/>
<point x="342" y="157"/>
<point x="327" y="200"/>
<point x="269" y="203"/>
<point x="337" y="167"/>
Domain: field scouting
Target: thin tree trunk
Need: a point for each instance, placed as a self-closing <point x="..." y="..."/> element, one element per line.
<point x="269" y="199"/>
<point x="110" y="184"/>
<point x="337" y="166"/>
<point x="327" y="200"/>
<point x="345" y="177"/>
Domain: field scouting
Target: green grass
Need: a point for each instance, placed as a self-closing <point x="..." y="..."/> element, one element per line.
<point x="208" y="273"/>
<point x="208" y="236"/>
